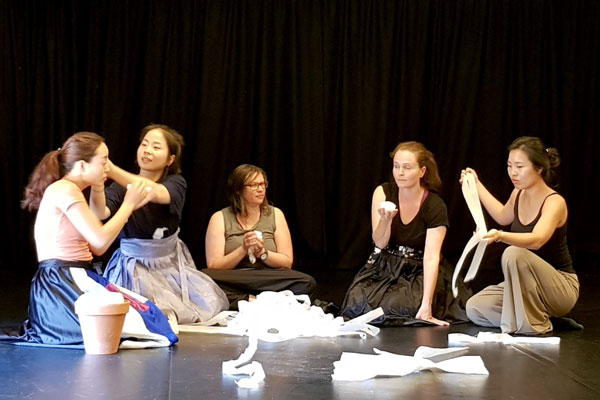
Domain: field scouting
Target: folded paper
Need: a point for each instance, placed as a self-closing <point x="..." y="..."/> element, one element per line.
<point x="360" y="367"/>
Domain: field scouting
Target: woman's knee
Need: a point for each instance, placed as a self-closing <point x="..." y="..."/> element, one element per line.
<point x="513" y="254"/>
<point x="472" y="308"/>
<point x="310" y="284"/>
<point x="513" y="259"/>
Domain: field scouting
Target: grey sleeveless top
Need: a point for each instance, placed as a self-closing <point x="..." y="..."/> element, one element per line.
<point x="234" y="234"/>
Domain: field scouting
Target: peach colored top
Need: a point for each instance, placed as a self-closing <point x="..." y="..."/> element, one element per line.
<point x="55" y="236"/>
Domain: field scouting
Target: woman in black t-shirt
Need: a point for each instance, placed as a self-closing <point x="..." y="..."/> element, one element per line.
<point x="151" y="259"/>
<point x="406" y="274"/>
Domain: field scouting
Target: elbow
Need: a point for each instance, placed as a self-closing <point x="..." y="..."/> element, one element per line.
<point x="215" y="264"/>
<point x="210" y="264"/>
<point x="537" y="243"/>
<point x="535" y="246"/>
<point x="98" y="251"/>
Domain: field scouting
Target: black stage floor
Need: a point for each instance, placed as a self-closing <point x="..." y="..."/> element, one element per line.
<point x="301" y="368"/>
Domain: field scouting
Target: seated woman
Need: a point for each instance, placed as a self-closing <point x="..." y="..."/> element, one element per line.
<point x="151" y="259"/>
<point x="67" y="234"/>
<point x="233" y="241"/>
<point x="406" y="274"/>
<point x="539" y="279"/>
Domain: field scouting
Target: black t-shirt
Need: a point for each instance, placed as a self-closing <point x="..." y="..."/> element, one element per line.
<point x="143" y="222"/>
<point x="433" y="213"/>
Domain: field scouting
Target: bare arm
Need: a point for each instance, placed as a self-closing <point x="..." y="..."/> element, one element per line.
<point x="381" y="220"/>
<point x="554" y="215"/>
<point x="99" y="236"/>
<point x="215" y="246"/>
<point x="284" y="256"/>
<point x="98" y="202"/>
<point x="431" y="260"/>
<point x="503" y="214"/>
<point x="158" y="194"/>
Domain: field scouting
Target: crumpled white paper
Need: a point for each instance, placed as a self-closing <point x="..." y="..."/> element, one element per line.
<point x="493" y="337"/>
<point x="387" y="205"/>
<point x="469" y="190"/>
<point x="360" y="367"/>
<point x="251" y="255"/>
<point x="276" y="317"/>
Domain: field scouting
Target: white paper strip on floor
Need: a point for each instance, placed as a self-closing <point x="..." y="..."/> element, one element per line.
<point x="469" y="190"/>
<point x="360" y="367"/>
<point x="493" y="337"/>
<point x="276" y="317"/>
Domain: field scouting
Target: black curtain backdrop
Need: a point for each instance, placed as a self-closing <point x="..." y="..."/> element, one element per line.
<point x="315" y="92"/>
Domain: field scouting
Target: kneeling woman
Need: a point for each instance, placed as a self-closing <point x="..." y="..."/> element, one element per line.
<point x="539" y="279"/>
<point x="233" y="242"/>
<point x="406" y="274"/>
<point x="67" y="234"/>
<point x="152" y="260"/>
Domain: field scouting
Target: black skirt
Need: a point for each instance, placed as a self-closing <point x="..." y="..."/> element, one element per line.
<point x="394" y="282"/>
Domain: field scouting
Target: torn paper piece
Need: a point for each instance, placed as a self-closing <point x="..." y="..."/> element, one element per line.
<point x="254" y="370"/>
<point x="358" y="367"/>
<point x="387" y="205"/>
<point x="505" y="338"/>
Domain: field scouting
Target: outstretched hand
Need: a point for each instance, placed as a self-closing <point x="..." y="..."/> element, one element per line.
<point x="424" y="314"/>
<point x="387" y="214"/>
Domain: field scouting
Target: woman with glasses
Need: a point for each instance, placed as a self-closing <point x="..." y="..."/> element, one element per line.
<point x="151" y="259"/>
<point x="248" y="244"/>
<point x="406" y="274"/>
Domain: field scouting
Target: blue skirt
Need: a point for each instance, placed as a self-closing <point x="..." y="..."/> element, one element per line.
<point x="52" y="320"/>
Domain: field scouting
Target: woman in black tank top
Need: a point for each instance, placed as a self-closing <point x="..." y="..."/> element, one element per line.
<point x="539" y="279"/>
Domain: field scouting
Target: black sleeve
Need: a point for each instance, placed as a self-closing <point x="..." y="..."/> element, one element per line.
<point x="435" y="212"/>
<point x="114" y="194"/>
<point x="176" y="186"/>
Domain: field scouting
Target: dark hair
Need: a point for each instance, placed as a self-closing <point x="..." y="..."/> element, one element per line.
<point x="174" y="142"/>
<point x="545" y="159"/>
<point x="236" y="185"/>
<point x="58" y="163"/>
<point x="431" y="180"/>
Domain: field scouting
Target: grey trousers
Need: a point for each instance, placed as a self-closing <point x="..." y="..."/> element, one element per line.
<point x="532" y="292"/>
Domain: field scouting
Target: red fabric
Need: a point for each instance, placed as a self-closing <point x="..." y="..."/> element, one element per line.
<point x="138" y="305"/>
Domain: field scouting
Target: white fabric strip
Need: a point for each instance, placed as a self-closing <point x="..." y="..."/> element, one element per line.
<point x="469" y="190"/>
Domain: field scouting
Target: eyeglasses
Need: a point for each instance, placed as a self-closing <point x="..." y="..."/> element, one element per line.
<point x="256" y="186"/>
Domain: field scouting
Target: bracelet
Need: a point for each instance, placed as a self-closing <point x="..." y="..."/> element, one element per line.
<point x="500" y="237"/>
<point x="97" y="191"/>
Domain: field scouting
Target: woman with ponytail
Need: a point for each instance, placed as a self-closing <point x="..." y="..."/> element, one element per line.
<point x="67" y="236"/>
<point x="539" y="279"/>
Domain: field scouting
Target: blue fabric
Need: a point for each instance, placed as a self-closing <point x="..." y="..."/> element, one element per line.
<point x="52" y="320"/>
